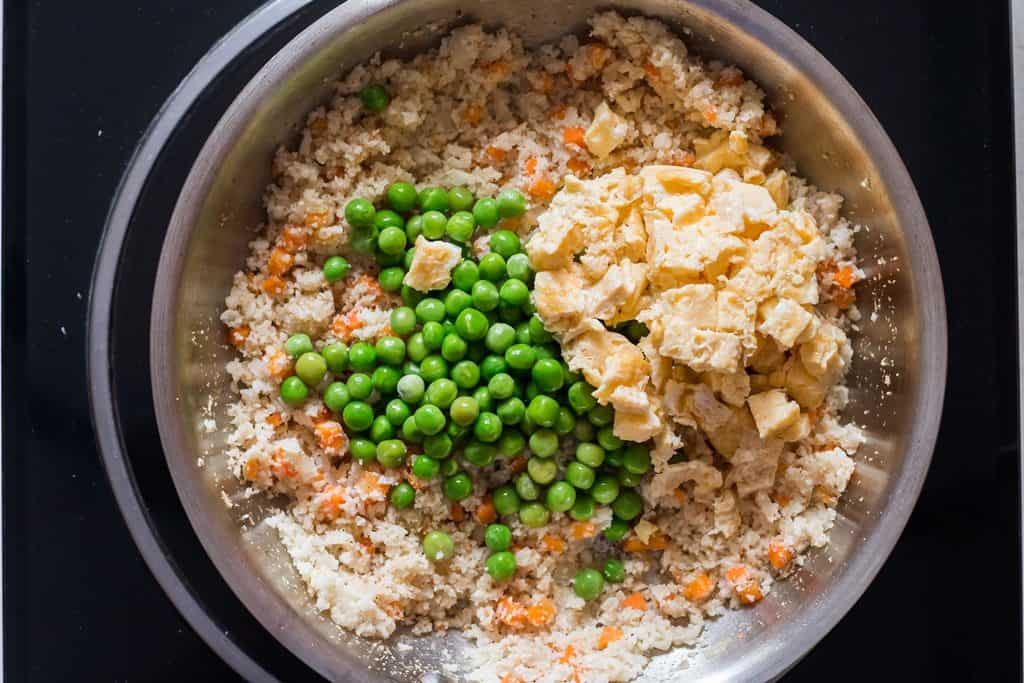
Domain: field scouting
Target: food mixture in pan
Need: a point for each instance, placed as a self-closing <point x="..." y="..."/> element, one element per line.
<point x="547" y="346"/>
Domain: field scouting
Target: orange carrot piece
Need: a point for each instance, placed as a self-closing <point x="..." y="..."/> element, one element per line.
<point x="542" y="188"/>
<point x="634" y="545"/>
<point x="331" y="436"/>
<point x="736" y="573"/>
<point x="541" y="613"/>
<point x="317" y="219"/>
<point x="679" y="496"/>
<point x="635" y="601"/>
<point x="473" y="114"/>
<point x="577" y="166"/>
<point x="558" y="113"/>
<point x="699" y="588"/>
<point x="582" y="530"/>
<point x="844" y="277"/>
<point x="651" y="70"/>
<point x="253" y="467"/>
<point x="273" y="285"/>
<point x="293" y="239"/>
<point x="572" y="135"/>
<point x="511" y="613"/>
<point x="609" y="634"/>
<point x="485" y="513"/>
<point x="456" y="512"/>
<point x="518" y="464"/>
<point x="496" y="153"/>
<point x="553" y="544"/>
<point x="779" y="555"/>
<point x="238" y="335"/>
<point x="274" y="419"/>
<point x="530" y="166"/>
<point x="568" y="655"/>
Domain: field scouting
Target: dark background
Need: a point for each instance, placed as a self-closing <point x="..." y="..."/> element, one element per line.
<point x="81" y="82"/>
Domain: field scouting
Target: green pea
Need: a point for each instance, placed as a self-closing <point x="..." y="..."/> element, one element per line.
<point x="460" y="226"/>
<point x="505" y="243"/>
<point x="375" y="98"/>
<point x="607" y="439"/>
<point x="579" y="475"/>
<point x="614" y="571"/>
<point x="547" y="373"/>
<point x="453" y="348"/>
<point x="364" y="239"/>
<point x="501" y="386"/>
<point x="438" y="446"/>
<point x="509" y="313"/>
<point x="485" y="295"/>
<point x="588" y="584"/>
<point x="511" y="411"/>
<point x="584" y="431"/>
<point x="411" y="297"/>
<point x="401" y="197"/>
<point x="449" y="467"/>
<point x="390" y="350"/>
<point x="465" y="274"/>
<point x="628" y="505"/>
<point x="460" y="199"/>
<point x="425" y="468"/>
<point x="492" y="365"/>
<point x="636" y="459"/>
<point x="497" y="537"/>
<point x="381" y="429"/>
<point x="429" y="419"/>
<point x="385" y="379"/>
<point x="543" y="471"/>
<point x="466" y="374"/>
<point x="565" y="423"/>
<point x="403" y="495"/>
<point x="294" y="391"/>
<point x="487" y="427"/>
<point x="518" y="268"/>
<point x="432" y="224"/>
<point x="629" y="480"/>
<point x="403" y="321"/>
<point x="458" y="486"/>
<point x="482" y="395"/>
<point x="388" y="261"/>
<point x="357" y="415"/>
<point x="635" y="330"/>
<point x="441" y="393"/>
<point x="501" y="565"/>
<point x="336" y="396"/>
<point x="526" y="487"/>
<point x="523" y="333"/>
<point x="479" y="454"/>
<point x="538" y="335"/>
<point x="411" y="388"/>
<point x="456" y="301"/>
<point x="464" y="410"/>
<point x="514" y="293"/>
<point x="413" y="229"/>
<point x="601" y="416"/>
<point x="605" y="489"/>
<point x="416" y="348"/>
<point x="506" y="500"/>
<point x="388" y="219"/>
<point x="543" y="411"/>
<point x="520" y="356"/>
<point x="359" y="212"/>
<point x="430" y="310"/>
<point x="336" y="356"/>
<point x="560" y="497"/>
<point x="298" y="344"/>
<point x="544" y="443"/>
<point x="511" y="203"/>
<point x="583" y="508"/>
<point x="311" y="368"/>
<point x="362" y="356"/>
<point x="500" y="337"/>
<point x="485" y="211"/>
<point x="433" y="199"/>
<point x="614" y="458"/>
<point x="392" y="240"/>
<point x="590" y="454"/>
<point x="534" y="515"/>
<point x="360" y="386"/>
<point x="410" y="432"/>
<point x="336" y="268"/>
<point x="433" y="367"/>
<point x="397" y="411"/>
<point x="492" y="267"/>
<point x="532" y="392"/>
<point x="438" y="546"/>
<point x="411" y="368"/>
<point x="471" y="325"/>
<point x="362" y="449"/>
<point x="617" y="530"/>
<point x="391" y="279"/>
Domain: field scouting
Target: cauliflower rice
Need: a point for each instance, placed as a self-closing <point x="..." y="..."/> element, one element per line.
<point x="720" y="524"/>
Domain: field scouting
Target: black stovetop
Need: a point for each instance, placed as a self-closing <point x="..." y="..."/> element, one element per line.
<point x="82" y="80"/>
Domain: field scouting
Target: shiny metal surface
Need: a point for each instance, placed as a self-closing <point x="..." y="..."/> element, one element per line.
<point x="835" y="141"/>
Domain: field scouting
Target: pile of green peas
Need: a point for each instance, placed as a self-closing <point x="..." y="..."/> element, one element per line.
<point x="470" y="376"/>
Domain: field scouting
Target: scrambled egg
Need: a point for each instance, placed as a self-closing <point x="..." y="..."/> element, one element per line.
<point x="722" y="273"/>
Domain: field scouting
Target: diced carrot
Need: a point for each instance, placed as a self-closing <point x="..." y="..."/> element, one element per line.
<point x="343" y="325"/>
<point x="710" y="115"/>
<point x="473" y="114"/>
<point x="530" y="166"/>
<point x="331" y="436"/>
<point x="779" y="555"/>
<point x="293" y="239"/>
<point x="749" y="593"/>
<point x="736" y="573"/>
<point x="558" y="113"/>
<point x="634" y="545"/>
<point x="279" y="262"/>
<point x="553" y="544"/>
<point x="782" y="500"/>
<point x="274" y="419"/>
<point x="485" y="513"/>
<point x="598" y="55"/>
<point x="699" y="588"/>
<point x="510" y="678"/>
<point x="367" y="545"/>
<point x="572" y="135"/>
<point x="568" y="655"/>
<point x="252" y="469"/>
<point x="635" y="601"/>
<point x="651" y="70"/>
<point x="541" y="613"/>
<point x="609" y="634"/>
<point x="497" y="69"/>
<point x="729" y="77"/>
<point x="518" y="464"/>
<point x="511" y="613"/>
<point x="272" y="285"/>
<point x="370" y="483"/>
<point x="238" y="335"/>
<point x="680" y="496"/>
<point x="581" y="530"/>
<point x="278" y="364"/>
<point x="331" y="500"/>
<point x="282" y="468"/>
<point x="496" y="153"/>
<point x="659" y="541"/>
<point x="843" y="298"/>
<point x="577" y="166"/>
<point x="317" y="219"/>
<point x="844" y="277"/>
<point x="542" y="188"/>
<point x="456" y="512"/>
